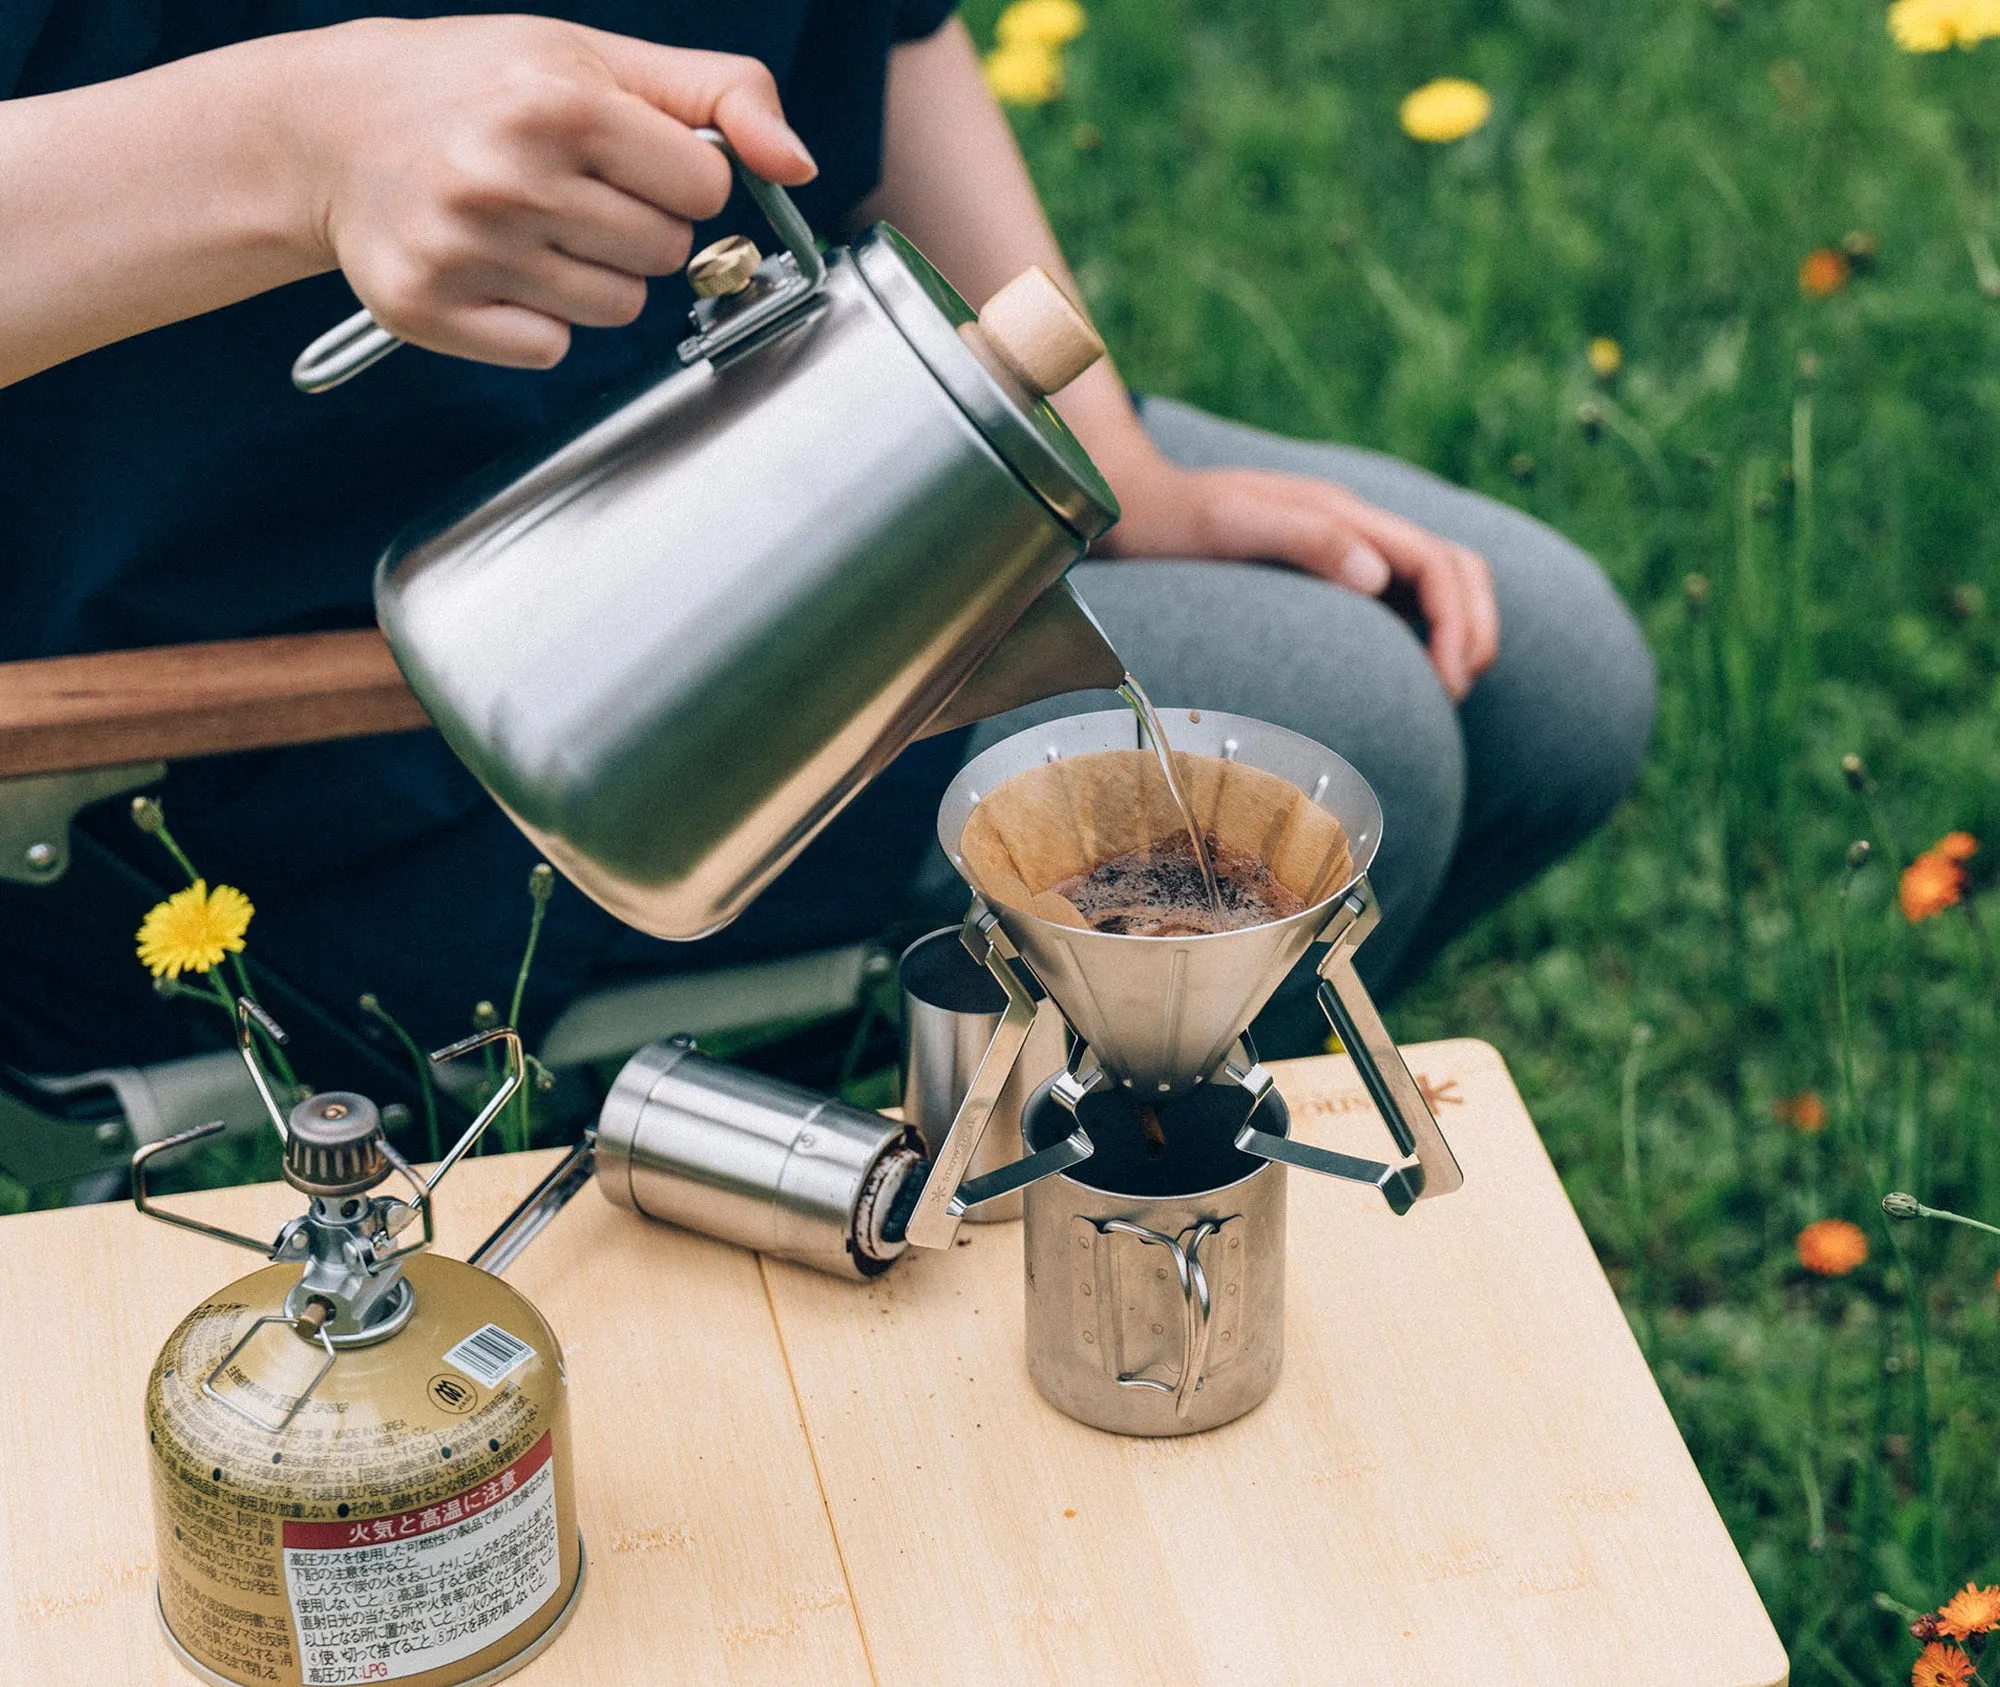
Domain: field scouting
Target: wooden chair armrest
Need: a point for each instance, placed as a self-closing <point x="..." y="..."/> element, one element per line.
<point x="72" y="712"/>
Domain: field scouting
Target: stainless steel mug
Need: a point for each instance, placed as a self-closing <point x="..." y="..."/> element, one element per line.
<point x="1156" y="1286"/>
<point x="677" y="645"/>
<point x="951" y="1008"/>
<point x="754" y="1160"/>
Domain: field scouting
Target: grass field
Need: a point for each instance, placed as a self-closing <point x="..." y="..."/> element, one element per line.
<point x="1801" y="498"/>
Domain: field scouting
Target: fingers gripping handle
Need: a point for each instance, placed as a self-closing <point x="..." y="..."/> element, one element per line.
<point x="360" y="342"/>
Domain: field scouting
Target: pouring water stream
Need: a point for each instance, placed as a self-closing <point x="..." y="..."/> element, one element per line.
<point x="1134" y="696"/>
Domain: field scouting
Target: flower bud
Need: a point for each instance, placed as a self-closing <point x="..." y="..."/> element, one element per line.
<point x="1858" y="853"/>
<point x="147" y="814"/>
<point x="370" y="1002"/>
<point x="167" y="986"/>
<point x="1898" y="1205"/>
<point x="542" y="882"/>
<point x="484" y="1016"/>
<point x="1855" y="771"/>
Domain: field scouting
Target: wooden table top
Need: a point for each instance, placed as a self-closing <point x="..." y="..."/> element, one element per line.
<point x="1466" y="1473"/>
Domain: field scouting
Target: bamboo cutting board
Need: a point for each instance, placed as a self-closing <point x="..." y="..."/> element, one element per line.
<point x="1466" y="1473"/>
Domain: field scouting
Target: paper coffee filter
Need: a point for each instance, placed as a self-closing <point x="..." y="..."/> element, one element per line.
<point x="1052" y="822"/>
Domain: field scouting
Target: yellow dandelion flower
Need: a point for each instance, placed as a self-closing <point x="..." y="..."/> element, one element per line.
<point x="193" y="929"/>
<point x="1040" y="23"/>
<point x="1972" y="1610"/>
<point x="1957" y="846"/>
<point x="1932" y="26"/>
<point x="1606" y="357"/>
<point x="1448" y="109"/>
<point x="1941" y="1666"/>
<point x="1024" y="73"/>
<point x="1831" y="1247"/>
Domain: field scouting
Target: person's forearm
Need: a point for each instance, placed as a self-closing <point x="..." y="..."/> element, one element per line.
<point x="137" y="202"/>
<point x="953" y="180"/>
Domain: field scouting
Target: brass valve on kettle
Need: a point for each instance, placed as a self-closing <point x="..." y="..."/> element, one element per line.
<point x="725" y="268"/>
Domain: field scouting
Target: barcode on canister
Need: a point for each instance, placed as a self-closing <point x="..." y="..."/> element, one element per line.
<point x="488" y="1354"/>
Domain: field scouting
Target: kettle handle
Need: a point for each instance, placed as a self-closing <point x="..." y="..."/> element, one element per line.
<point x="359" y="342"/>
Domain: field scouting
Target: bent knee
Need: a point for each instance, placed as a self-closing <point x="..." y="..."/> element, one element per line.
<point x="1571" y="698"/>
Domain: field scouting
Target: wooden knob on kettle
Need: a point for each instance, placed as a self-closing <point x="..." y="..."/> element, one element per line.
<point x="1042" y="339"/>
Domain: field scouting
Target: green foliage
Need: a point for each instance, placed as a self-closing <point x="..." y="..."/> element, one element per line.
<point x="1801" y="498"/>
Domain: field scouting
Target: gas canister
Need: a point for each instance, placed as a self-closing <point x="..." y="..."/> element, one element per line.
<point x="359" y="1454"/>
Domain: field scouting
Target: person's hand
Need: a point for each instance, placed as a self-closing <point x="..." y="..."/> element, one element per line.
<point x="485" y="182"/>
<point x="1253" y="515"/>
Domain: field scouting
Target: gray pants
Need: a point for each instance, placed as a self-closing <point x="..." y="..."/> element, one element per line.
<point x="1477" y="798"/>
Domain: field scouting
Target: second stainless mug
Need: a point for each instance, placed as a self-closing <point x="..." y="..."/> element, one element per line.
<point x="951" y="1008"/>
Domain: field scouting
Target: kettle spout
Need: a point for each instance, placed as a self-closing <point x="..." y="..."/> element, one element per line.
<point x="1056" y="646"/>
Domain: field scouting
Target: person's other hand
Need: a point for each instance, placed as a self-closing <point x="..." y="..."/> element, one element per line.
<point x="1253" y="515"/>
<point x="486" y="182"/>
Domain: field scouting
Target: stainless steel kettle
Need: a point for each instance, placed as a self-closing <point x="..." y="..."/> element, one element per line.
<point x="677" y="646"/>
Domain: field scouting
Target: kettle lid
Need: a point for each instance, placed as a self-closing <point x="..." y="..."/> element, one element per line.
<point x="1024" y="429"/>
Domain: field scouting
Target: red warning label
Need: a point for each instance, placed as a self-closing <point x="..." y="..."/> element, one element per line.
<point x="391" y="1596"/>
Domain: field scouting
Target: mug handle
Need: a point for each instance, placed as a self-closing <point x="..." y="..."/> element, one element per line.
<point x="1429" y="1167"/>
<point x="1197" y="1305"/>
<point x="359" y="342"/>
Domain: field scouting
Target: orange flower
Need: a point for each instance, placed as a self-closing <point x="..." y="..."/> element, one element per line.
<point x="1804" y="1112"/>
<point x="1931" y="883"/>
<point x="1971" y="1610"/>
<point x="1824" y="271"/>
<point x="1831" y="1247"/>
<point x="1956" y="846"/>
<point x="1941" y="1666"/>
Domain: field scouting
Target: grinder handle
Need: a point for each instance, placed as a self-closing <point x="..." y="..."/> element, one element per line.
<point x="359" y="342"/>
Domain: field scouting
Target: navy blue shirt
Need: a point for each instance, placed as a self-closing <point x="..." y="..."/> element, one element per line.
<point x="174" y="487"/>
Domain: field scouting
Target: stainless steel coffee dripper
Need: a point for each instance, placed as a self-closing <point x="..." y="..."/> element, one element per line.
<point x="1148" y="1279"/>
<point x="675" y="647"/>
<point x="1163" y="1015"/>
